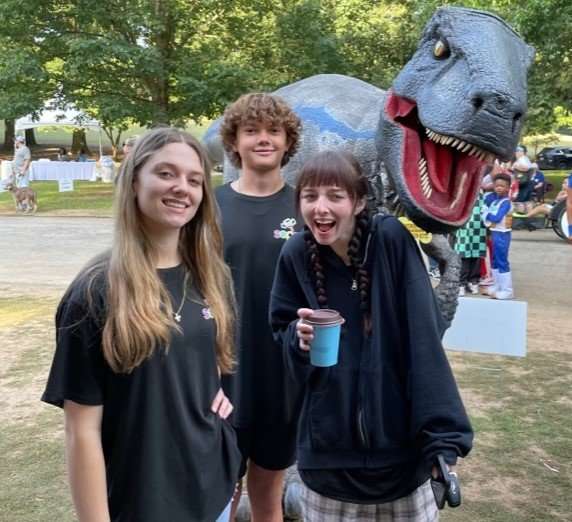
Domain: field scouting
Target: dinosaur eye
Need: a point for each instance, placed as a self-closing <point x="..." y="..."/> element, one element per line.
<point x="441" y="50"/>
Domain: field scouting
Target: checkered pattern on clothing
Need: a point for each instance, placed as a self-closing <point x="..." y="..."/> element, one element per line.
<point x="470" y="240"/>
<point x="418" y="506"/>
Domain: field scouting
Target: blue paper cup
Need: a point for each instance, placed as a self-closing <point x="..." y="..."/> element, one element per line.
<point x="327" y="326"/>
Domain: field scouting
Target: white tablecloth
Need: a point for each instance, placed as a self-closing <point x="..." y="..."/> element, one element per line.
<point x="5" y="170"/>
<point x="55" y="170"/>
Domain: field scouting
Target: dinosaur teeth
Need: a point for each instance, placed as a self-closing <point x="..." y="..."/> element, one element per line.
<point x="459" y="191"/>
<point x="425" y="181"/>
<point x="460" y="145"/>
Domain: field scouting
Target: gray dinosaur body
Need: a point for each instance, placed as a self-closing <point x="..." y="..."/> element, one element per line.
<point x="456" y="105"/>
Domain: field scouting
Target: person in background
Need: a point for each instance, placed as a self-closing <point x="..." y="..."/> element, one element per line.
<point x="497" y="217"/>
<point x="260" y="133"/>
<point x="128" y="145"/>
<point x="569" y="207"/>
<point x="142" y="336"/>
<point x="373" y="425"/>
<point x="545" y="208"/>
<point x="522" y="172"/>
<point x="522" y="162"/>
<point x="471" y="245"/>
<point x="21" y="162"/>
<point x="82" y="155"/>
<point x="62" y="154"/>
<point x="487" y="187"/>
<point x="538" y="183"/>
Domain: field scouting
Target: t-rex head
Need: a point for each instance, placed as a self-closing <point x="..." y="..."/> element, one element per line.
<point x="457" y="104"/>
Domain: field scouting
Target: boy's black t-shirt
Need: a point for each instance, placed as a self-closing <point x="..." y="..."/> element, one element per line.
<point x="254" y="230"/>
<point x="167" y="456"/>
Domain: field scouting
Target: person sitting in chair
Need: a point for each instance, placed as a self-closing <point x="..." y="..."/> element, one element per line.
<point x="546" y="208"/>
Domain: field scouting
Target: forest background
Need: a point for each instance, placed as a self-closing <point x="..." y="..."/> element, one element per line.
<point x="180" y="62"/>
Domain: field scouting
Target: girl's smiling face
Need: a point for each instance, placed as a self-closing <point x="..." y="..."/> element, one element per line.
<point x="169" y="188"/>
<point x="330" y="214"/>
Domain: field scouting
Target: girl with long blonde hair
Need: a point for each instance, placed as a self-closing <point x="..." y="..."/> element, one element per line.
<point x="143" y="335"/>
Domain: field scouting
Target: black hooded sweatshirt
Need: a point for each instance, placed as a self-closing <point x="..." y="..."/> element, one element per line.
<point x="391" y="403"/>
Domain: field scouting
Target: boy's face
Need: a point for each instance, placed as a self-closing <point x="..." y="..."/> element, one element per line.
<point x="501" y="187"/>
<point x="261" y="146"/>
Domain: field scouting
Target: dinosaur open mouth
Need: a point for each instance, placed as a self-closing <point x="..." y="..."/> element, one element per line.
<point x="442" y="173"/>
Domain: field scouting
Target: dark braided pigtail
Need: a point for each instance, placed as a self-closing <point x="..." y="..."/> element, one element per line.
<point x="360" y="273"/>
<point x="316" y="267"/>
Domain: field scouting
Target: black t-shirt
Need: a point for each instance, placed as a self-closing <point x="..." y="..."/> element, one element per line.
<point x="254" y="229"/>
<point x="167" y="456"/>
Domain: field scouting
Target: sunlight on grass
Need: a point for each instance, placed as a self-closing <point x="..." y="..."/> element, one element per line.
<point x="18" y="311"/>
<point x="89" y="198"/>
<point x="517" y="408"/>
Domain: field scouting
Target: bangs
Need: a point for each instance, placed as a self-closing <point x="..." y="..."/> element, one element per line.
<point x="332" y="168"/>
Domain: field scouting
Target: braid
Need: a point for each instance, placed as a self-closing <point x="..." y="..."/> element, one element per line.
<point x="317" y="268"/>
<point x="361" y="275"/>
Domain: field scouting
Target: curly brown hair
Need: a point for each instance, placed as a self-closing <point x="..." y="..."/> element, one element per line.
<point x="259" y="107"/>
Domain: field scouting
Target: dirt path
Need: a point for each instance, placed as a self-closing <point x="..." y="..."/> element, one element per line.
<point x="41" y="255"/>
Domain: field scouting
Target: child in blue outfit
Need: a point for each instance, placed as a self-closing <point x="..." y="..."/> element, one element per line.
<point x="497" y="216"/>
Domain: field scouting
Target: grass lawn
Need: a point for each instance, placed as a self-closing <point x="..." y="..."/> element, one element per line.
<point x="88" y="199"/>
<point x="96" y="198"/>
<point x="520" y="468"/>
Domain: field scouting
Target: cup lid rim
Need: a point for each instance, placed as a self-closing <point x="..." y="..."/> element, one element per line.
<point x="333" y="319"/>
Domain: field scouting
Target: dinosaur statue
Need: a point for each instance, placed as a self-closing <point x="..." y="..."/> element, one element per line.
<point x="458" y="104"/>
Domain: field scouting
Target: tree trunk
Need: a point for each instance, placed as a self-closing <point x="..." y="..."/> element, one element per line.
<point x="79" y="142"/>
<point x="30" y="138"/>
<point x="9" y="134"/>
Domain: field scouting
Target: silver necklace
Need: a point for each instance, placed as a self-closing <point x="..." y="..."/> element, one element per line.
<point x="177" y="314"/>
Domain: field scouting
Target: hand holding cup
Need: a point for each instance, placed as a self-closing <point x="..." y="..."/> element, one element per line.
<point x="304" y="331"/>
<point x="318" y="331"/>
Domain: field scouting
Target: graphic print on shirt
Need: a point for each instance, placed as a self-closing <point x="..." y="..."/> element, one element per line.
<point x="206" y="313"/>
<point x="287" y="227"/>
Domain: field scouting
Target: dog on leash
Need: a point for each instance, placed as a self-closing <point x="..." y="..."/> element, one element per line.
<point x="25" y="198"/>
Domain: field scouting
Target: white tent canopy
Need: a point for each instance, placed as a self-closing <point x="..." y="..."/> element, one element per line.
<point x="59" y="117"/>
<point x="49" y="117"/>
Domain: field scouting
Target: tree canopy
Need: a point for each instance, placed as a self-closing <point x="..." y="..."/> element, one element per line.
<point x="155" y="62"/>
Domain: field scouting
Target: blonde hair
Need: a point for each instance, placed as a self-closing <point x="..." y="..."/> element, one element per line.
<point x="138" y="315"/>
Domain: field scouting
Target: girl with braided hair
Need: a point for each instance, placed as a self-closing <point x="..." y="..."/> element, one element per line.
<point x="372" y="426"/>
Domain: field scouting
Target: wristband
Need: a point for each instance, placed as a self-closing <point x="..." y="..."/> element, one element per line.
<point x="570" y="231"/>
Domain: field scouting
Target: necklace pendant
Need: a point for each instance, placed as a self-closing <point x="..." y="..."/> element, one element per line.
<point x="354" y="285"/>
<point x="177" y="317"/>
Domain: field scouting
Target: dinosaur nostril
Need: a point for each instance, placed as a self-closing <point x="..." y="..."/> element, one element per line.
<point x="477" y="102"/>
<point x="516" y="120"/>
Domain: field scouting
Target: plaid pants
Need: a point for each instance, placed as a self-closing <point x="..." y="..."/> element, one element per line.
<point x="418" y="506"/>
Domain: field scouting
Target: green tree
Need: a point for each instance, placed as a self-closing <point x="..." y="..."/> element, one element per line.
<point x="25" y="82"/>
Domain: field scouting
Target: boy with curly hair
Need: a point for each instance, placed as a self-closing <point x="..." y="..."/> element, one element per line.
<point x="260" y="133"/>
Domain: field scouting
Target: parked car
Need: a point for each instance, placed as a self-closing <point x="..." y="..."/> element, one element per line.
<point x="555" y="158"/>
